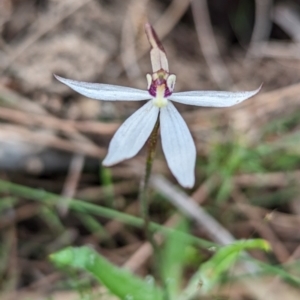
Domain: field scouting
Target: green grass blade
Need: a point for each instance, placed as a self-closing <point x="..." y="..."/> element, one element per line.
<point x="211" y="272"/>
<point x="173" y="260"/>
<point x="93" y="226"/>
<point x="267" y="269"/>
<point x="7" y="202"/>
<point x="86" y="207"/>
<point x="118" y="281"/>
<point x="49" y="216"/>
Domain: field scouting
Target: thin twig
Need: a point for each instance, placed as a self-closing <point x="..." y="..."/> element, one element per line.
<point x="52" y="122"/>
<point x="279" y="50"/>
<point x="262" y="227"/>
<point x="262" y="25"/>
<point x="208" y="44"/>
<point x="71" y="182"/>
<point x="186" y="204"/>
<point x="136" y="9"/>
<point x="288" y="18"/>
<point x="171" y="17"/>
<point x="10" y="133"/>
<point x="274" y="179"/>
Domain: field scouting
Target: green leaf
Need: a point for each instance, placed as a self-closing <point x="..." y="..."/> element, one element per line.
<point x="211" y="272"/>
<point x="118" y="281"/>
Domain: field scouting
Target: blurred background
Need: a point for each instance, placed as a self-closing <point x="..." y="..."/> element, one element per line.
<point x="52" y="139"/>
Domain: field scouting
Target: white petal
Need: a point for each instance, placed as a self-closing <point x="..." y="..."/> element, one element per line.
<point x="212" y="98"/>
<point x="108" y="92"/>
<point x="178" y="145"/>
<point x="132" y="134"/>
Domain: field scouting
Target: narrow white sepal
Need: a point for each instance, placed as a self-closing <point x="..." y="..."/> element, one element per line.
<point x="178" y="145"/>
<point x="132" y="134"/>
<point x="212" y="98"/>
<point x="107" y="92"/>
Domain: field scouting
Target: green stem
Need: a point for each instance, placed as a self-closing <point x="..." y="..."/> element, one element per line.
<point x="144" y="202"/>
<point x="145" y="183"/>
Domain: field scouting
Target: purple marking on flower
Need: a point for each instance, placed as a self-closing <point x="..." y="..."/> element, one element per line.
<point x="161" y="80"/>
<point x="152" y="89"/>
<point x="168" y="92"/>
<point x="155" y="84"/>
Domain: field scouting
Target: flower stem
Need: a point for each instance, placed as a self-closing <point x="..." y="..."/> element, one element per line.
<point x="144" y="202"/>
<point x="152" y="141"/>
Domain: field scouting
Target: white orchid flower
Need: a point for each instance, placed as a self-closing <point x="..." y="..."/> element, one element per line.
<point x="177" y="142"/>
